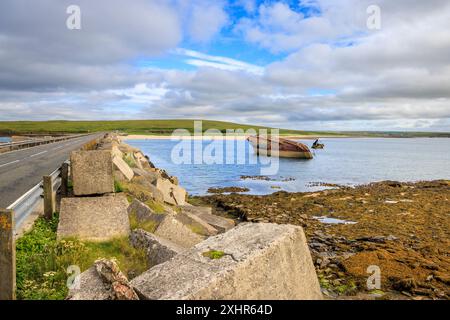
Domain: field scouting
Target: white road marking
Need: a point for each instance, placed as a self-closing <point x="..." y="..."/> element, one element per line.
<point x="3" y="165"/>
<point x="36" y="154"/>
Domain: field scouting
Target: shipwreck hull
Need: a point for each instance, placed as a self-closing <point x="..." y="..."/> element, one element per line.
<point x="286" y="148"/>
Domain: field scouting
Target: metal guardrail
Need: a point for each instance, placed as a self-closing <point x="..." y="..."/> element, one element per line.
<point x="10" y="146"/>
<point x="28" y="203"/>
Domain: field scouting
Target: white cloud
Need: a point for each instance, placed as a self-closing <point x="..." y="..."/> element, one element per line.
<point x="394" y="78"/>
<point x="206" y="19"/>
<point x="223" y="63"/>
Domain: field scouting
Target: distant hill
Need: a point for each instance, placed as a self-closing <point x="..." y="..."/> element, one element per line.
<point x="156" y="127"/>
<point x="166" y="127"/>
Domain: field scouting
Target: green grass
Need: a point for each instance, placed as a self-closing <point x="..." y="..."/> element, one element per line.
<point x="42" y="261"/>
<point x="129" y="159"/>
<point x="166" y="127"/>
<point x="118" y="187"/>
<point x="158" y="127"/>
<point x="156" y="206"/>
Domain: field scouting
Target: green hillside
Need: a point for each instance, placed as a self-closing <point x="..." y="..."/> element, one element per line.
<point x="159" y="127"/>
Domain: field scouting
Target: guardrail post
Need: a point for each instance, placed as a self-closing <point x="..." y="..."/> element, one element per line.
<point x="7" y="256"/>
<point x="64" y="178"/>
<point x="49" y="198"/>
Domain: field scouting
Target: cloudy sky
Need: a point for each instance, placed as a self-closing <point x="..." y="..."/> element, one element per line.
<point x="301" y="64"/>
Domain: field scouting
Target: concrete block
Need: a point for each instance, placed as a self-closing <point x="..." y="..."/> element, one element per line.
<point x="151" y="176"/>
<point x="123" y="167"/>
<point x="143" y="161"/>
<point x="144" y="212"/>
<point x="197" y="224"/>
<point x="94" y="218"/>
<point x="91" y="287"/>
<point x="92" y="172"/>
<point x="173" y="194"/>
<point x="219" y="223"/>
<point x="159" y="250"/>
<point x="116" y="152"/>
<point x="259" y="261"/>
<point x="174" y="230"/>
<point x="143" y="191"/>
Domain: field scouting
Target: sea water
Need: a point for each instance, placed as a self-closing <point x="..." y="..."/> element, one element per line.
<point x="346" y="161"/>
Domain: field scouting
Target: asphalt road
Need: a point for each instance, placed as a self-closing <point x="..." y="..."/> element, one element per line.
<point x="23" y="169"/>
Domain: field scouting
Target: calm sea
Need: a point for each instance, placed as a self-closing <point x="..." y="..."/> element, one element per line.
<point x="343" y="161"/>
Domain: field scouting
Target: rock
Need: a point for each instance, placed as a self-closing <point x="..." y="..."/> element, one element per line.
<point x="172" y="194"/>
<point x="91" y="287"/>
<point x="144" y="213"/>
<point x="159" y="250"/>
<point x="123" y="167"/>
<point x="407" y="285"/>
<point x="94" y="218"/>
<point x="174" y="230"/>
<point x="251" y="262"/>
<point x="92" y="172"/>
<point x="110" y="273"/>
<point x="378" y="239"/>
<point x="219" y="223"/>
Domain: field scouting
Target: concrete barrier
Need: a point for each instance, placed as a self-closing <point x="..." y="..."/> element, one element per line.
<point x="173" y="194"/>
<point x="94" y="218"/>
<point x="159" y="250"/>
<point x="123" y="167"/>
<point x="92" y="172"/>
<point x="251" y="261"/>
<point x="219" y="223"/>
<point x="172" y="229"/>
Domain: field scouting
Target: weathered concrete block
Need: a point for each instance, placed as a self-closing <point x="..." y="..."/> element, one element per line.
<point x="144" y="212"/>
<point x="259" y="261"/>
<point x="92" y="172"/>
<point x="91" y="287"/>
<point x="174" y="230"/>
<point x="159" y="250"/>
<point x="94" y="218"/>
<point x="197" y="224"/>
<point x="151" y="176"/>
<point x="143" y="191"/>
<point x="219" y="223"/>
<point x="123" y="167"/>
<point x="173" y="194"/>
<point x="116" y="152"/>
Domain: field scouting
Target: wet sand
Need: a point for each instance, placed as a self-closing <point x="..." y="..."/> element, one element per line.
<point x="402" y="228"/>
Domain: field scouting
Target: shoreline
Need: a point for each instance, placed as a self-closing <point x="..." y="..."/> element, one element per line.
<point x="402" y="227"/>
<point x="224" y="137"/>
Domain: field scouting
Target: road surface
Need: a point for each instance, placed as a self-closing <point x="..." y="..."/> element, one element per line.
<point x="23" y="169"/>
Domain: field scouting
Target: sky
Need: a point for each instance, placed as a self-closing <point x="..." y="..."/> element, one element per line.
<point x="300" y="64"/>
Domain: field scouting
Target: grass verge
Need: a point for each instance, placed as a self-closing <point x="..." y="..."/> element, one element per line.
<point x="42" y="260"/>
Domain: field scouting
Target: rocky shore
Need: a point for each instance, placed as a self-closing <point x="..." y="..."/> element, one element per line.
<point x="183" y="251"/>
<point x="402" y="228"/>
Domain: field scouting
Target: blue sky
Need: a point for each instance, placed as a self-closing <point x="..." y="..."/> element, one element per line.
<point x="311" y="64"/>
